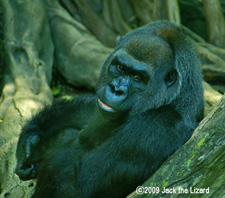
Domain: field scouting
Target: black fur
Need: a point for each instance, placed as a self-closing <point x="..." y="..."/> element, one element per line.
<point x="149" y="100"/>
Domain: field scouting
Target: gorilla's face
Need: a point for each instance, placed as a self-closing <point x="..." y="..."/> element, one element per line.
<point x="139" y="71"/>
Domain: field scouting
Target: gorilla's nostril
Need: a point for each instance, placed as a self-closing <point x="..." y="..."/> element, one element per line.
<point x="119" y="92"/>
<point x="116" y="90"/>
<point x="112" y="88"/>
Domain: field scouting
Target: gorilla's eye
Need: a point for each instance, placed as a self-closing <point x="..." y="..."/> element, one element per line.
<point x="171" y="78"/>
<point x="137" y="77"/>
<point x="120" y="67"/>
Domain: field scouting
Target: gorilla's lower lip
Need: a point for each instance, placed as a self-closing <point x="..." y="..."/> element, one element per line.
<point x="105" y="106"/>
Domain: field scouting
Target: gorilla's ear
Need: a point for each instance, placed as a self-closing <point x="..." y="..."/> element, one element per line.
<point x="170" y="78"/>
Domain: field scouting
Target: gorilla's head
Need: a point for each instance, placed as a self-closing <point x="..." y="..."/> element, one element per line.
<point x="151" y="67"/>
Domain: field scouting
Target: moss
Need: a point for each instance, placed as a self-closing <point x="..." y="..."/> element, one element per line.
<point x="165" y="184"/>
<point x="201" y="142"/>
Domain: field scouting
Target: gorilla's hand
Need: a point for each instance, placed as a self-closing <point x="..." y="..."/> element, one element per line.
<point x="27" y="157"/>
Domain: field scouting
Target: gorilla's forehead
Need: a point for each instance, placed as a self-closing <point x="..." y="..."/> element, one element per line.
<point x="148" y="48"/>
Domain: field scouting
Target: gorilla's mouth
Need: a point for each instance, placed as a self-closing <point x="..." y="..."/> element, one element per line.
<point x="105" y="107"/>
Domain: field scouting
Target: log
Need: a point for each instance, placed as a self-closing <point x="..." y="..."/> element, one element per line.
<point x="197" y="168"/>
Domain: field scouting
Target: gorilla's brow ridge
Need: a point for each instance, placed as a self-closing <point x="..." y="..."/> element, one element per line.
<point x="131" y="64"/>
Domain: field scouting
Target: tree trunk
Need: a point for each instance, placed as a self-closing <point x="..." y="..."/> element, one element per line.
<point x="143" y="10"/>
<point x="213" y="62"/>
<point x="28" y="54"/>
<point x="215" y="22"/>
<point x="167" y="10"/>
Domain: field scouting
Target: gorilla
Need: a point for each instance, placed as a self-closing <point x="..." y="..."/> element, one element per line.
<point x="149" y="99"/>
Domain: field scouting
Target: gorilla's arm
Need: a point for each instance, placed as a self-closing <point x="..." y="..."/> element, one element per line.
<point x="45" y="128"/>
<point x="112" y="170"/>
<point x="147" y="142"/>
<point x="61" y="115"/>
